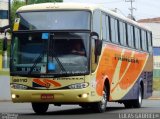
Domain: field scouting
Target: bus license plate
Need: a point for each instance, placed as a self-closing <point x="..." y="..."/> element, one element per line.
<point x="47" y="96"/>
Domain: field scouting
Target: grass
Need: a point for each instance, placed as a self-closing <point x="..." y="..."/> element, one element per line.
<point x="156" y="84"/>
<point x="4" y="73"/>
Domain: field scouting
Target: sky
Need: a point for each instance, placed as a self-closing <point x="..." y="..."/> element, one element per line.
<point x="143" y="8"/>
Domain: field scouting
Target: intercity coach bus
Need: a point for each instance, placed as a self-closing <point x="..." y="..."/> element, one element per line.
<point x="66" y="53"/>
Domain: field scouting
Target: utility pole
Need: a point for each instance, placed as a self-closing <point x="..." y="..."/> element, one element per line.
<point x="131" y="8"/>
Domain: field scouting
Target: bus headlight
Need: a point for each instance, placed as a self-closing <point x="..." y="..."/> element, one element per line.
<point x="13" y="96"/>
<point x="18" y="86"/>
<point x="78" y="86"/>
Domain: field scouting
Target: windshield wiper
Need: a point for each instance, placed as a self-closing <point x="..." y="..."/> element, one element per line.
<point x="60" y="64"/>
<point x="38" y="59"/>
<point x="51" y="47"/>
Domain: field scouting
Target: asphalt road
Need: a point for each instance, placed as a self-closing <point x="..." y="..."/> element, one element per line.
<point x="149" y="110"/>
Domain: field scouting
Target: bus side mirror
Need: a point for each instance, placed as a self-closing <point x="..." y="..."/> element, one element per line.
<point x="94" y="34"/>
<point x="98" y="47"/>
<point x="98" y="43"/>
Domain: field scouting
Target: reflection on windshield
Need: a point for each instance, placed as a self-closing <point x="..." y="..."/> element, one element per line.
<point x="62" y="53"/>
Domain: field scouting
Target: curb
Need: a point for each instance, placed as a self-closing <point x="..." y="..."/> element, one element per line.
<point x="154" y="98"/>
<point x="5" y="101"/>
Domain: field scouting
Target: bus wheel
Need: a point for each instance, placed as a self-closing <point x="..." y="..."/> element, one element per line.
<point x="40" y="108"/>
<point x="100" y="107"/>
<point x="138" y="102"/>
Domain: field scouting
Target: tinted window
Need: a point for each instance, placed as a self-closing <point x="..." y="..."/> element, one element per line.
<point x="107" y="29"/>
<point x="144" y="40"/>
<point x="104" y="28"/>
<point x="122" y="33"/>
<point x="114" y="30"/>
<point x="96" y="21"/>
<point x="130" y="35"/>
<point x="149" y="42"/>
<point x="137" y="38"/>
<point x="55" y="20"/>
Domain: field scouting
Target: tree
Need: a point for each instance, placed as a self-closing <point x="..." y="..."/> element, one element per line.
<point x="41" y="1"/>
<point x="14" y="6"/>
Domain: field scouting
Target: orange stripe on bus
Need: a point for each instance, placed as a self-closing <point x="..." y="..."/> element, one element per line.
<point x="121" y="66"/>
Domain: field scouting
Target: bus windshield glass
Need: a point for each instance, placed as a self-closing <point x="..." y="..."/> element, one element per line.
<point x="54" y="20"/>
<point x="50" y="53"/>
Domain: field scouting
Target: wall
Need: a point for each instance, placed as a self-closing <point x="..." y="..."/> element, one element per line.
<point x="155" y="28"/>
<point x="156" y="62"/>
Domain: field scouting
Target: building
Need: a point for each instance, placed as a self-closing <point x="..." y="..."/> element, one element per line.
<point x="154" y="25"/>
<point x="4" y="23"/>
<point x="4" y="16"/>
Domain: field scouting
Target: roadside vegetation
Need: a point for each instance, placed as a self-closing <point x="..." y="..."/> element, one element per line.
<point x="156" y="84"/>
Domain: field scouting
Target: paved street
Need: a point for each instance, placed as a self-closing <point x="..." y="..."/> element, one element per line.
<point x="24" y="111"/>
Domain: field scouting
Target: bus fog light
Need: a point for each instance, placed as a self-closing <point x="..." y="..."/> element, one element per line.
<point x="84" y="95"/>
<point x="13" y="96"/>
<point x="18" y="86"/>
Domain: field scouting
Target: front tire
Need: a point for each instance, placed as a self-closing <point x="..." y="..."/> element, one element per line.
<point x="40" y="108"/>
<point x="100" y="107"/>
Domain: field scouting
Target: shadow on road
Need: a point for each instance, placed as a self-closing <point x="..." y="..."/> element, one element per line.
<point x="78" y="111"/>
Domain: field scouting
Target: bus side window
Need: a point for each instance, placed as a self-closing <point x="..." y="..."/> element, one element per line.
<point x="122" y="33"/>
<point x="137" y="37"/>
<point x="97" y="21"/>
<point x="149" y="42"/>
<point x="114" y="30"/>
<point x="144" y="40"/>
<point x="104" y="27"/>
<point x="107" y="28"/>
<point x="130" y="36"/>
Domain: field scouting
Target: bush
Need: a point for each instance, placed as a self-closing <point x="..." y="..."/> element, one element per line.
<point x="8" y="47"/>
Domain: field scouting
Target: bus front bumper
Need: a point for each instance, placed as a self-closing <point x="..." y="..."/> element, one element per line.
<point x="55" y="96"/>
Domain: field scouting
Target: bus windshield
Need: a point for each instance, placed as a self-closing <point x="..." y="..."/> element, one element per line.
<point x="54" y="20"/>
<point x="50" y="53"/>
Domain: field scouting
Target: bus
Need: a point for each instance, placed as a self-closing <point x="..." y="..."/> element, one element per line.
<point x="68" y="53"/>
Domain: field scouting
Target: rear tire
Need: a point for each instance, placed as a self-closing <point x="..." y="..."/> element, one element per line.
<point x="138" y="102"/>
<point x="135" y="103"/>
<point x="40" y="108"/>
<point x="100" y="107"/>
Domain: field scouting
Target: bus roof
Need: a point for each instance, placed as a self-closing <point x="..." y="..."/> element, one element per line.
<point x="75" y="6"/>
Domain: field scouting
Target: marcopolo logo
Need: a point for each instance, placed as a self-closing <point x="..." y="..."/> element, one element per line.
<point x="45" y="83"/>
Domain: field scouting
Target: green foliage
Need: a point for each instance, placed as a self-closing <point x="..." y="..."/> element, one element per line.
<point x="1" y="46"/>
<point x="8" y="46"/>
<point x="14" y="6"/>
<point x="156" y="84"/>
<point x="41" y="1"/>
